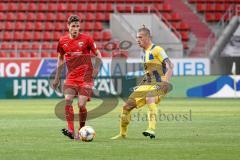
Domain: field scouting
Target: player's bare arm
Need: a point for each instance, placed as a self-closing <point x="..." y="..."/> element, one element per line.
<point x="169" y="67"/>
<point x="98" y="62"/>
<point x="60" y="64"/>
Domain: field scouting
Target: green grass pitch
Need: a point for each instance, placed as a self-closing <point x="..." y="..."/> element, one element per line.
<point x="29" y="129"/>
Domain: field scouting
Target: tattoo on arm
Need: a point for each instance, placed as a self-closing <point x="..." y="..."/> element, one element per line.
<point x="169" y="63"/>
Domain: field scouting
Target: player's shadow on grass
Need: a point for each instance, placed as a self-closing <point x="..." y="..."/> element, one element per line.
<point x="107" y="105"/>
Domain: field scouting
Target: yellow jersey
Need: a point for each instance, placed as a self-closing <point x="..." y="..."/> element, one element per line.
<point x="154" y="65"/>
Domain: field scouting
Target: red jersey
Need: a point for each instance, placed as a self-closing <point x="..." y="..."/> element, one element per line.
<point x="77" y="53"/>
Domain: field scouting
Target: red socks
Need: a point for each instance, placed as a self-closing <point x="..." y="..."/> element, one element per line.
<point x="82" y="116"/>
<point x="69" y="115"/>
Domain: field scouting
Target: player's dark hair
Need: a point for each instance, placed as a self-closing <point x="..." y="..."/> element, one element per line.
<point x="145" y="30"/>
<point x="73" y="18"/>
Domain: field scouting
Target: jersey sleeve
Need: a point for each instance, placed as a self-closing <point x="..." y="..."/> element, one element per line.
<point x="60" y="49"/>
<point x="92" y="45"/>
<point x="161" y="54"/>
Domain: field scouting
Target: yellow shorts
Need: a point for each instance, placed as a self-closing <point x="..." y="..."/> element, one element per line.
<point x="140" y="94"/>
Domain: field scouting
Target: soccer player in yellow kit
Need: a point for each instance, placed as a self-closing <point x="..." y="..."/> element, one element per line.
<point x="158" y="69"/>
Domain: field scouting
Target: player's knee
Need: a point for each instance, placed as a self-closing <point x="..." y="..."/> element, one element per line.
<point x="150" y="100"/>
<point x="127" y="107"/>
<point x="68" y="100"/>
<point x="81" y="105"/>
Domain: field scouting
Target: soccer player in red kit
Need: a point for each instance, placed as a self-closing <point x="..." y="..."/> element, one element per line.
<point x="77" y="50"/>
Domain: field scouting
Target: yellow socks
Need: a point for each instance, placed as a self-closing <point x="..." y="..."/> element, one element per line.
<point x="152" y="116"/>
<point x="125" y="119"/>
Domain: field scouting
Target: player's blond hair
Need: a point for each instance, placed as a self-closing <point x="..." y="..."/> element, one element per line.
<point x="145" y="30"/>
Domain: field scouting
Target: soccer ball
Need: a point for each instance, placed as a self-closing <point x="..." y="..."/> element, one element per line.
<point x="87" y="133"/>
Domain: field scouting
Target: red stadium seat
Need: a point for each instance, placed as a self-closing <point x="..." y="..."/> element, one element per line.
<point x="51" y="16"/>
<point x="62" y="7"/>
<point x="106" y="36"/>
<point x="2" y="16"/>
<point x="9" y="26"/>
<point x="21" y="16"/>
<point x="23" y="54"/>
<point x="34" y="54"/>
<point x="166" y="8"/>
<point x="167" y="16"/>
<point x="97" y="36"/>
<point x="61" y="16"/>
<point x="184" y="27"/>
<point x="47" y="36"/>
<point x="90" y="17"/>
<point x="4" y="46"/>
<point x="128" y="9"/>
<point x="22" y="7"/>
<point x="7" y="36"/>
<point x="120" y="8"/>
<point x="109" y="7"/>
<point x="81" y="7"/>
<point x="91" y="7"/>
<point x="209" y="17"/>
<point x="101" y="7"/>
<point x="30" y="26"/>
<point x="201" y="7"/>
<point x="18" y="35"/>
<point x="107" y="16"/>
<point x="54" y="54"/>
<point x="37" y="36"/>
<point x="185" y="36"/>
<point x="158" y="7"/>
<point x="27" y="36"/>
<point x="42" y="7"/>
<point x="25" y="46"/>
<point x="44" y="54"/>
<point x="3" y="7"/>
<point x="100" y="16"/>
<point x="11" y="16"/>
<point x="175" y="17"/>
<point x="52" y="7"/>
<point x="71" y="7"/>
<point x="49" y="26"/>
<point x="98" y="26"/>
<point x="32" y="7"/>
<point x="7" y="46"/>
<point x="57" y="35"/>
<point x="54" y="45"/>
<point x="35" y="46"/>
<point x="220" y="7"/>
<point x="46" y="46"/>
<point x="31" y="16"/>
<point x="40" y="16"/>
<point x="39" y="26"/>
<point x="12" y="54"/>
<point x="88" y="26"/>
<point x="140" y="9"/>
<point x="210" y="7"/>
<point x="3" y="55"/>
<point x="12" y="7"/>
<point x="82" y="16"/>
<point x="59" y="26"/>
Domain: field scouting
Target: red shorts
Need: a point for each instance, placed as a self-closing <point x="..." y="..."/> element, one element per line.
<point x="78" y="88"/>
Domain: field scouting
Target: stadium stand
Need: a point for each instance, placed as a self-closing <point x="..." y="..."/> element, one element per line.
<point x="27" y="26"/>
